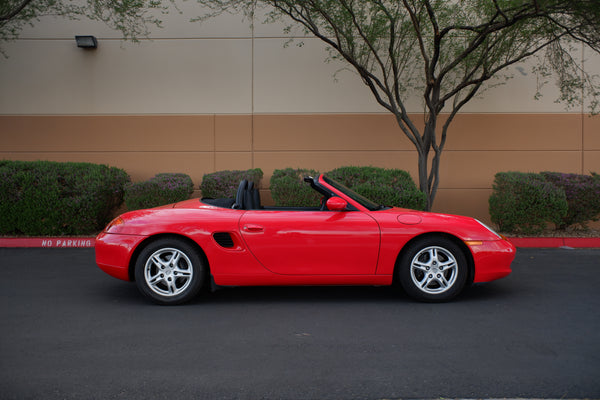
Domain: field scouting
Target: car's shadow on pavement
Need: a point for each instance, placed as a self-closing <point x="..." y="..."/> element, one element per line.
<point x="487" y="291"/>
<point x="127" y="293"/>
<point x="295" y="294"/>
<point x="337" y="294"/>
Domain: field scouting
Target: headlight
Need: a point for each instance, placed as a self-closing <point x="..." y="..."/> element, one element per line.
<point x="115" y="222"/>
<point x="491" y="230"/>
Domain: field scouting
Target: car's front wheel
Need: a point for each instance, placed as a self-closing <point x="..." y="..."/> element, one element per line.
<point x="169" y="271"/>
<point x="433" y="269"/>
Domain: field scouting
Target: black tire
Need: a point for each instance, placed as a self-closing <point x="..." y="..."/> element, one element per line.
<point x="170" y="271"/>
<point x="433" y="269"/>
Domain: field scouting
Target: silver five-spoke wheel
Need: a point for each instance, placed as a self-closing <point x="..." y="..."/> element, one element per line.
<point x="433" y="268"/>
<point x="170" y="271"/>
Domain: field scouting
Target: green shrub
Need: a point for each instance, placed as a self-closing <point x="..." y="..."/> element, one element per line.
<point x="159" y="190"/>
<point x="391" y="187"/>
<point x="583" y="196"/>
<point x="288" y="188"/>
<point x="224" y="184"/>
<point x="49" y="198"/>
<point x="525" y="202"/>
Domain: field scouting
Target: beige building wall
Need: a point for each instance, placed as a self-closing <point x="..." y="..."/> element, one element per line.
<point x="225" y="95"/>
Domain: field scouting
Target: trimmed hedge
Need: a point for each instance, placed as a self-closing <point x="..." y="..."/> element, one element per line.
<point x="43" y="198"/>
<point x="288" y="188"/>
<point x="583" y="197"/>
<point x="526" y="202"/>
<point x="390" y="187"/>
<point x="224" y="184"/>
<point x="159" y="190"/>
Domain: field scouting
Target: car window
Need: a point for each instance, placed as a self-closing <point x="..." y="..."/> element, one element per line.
<point x="363" y="201"/>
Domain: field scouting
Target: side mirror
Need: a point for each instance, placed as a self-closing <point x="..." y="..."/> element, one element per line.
<point x="336" y="204"/>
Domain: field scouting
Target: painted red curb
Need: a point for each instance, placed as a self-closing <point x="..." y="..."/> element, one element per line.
<point x="582" y="242"/>
<point x="88" y="242"/>
<point x="49" y="242"/>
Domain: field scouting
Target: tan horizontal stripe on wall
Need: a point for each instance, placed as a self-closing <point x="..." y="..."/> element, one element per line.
<point x="479" y="145"/>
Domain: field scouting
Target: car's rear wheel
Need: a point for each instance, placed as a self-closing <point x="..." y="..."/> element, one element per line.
<point x="433" y="269"/>
<point x="169" y="271"/>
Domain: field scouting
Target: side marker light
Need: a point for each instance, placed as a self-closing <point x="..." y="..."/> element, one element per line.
<point x="115" y="222"/>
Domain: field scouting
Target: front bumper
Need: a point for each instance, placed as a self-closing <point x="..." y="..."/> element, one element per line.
<point x="492" y="259"/>
<point x="113" y="253"/>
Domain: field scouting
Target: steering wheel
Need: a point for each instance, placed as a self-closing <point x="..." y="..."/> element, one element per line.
<point x="239" y="196"/>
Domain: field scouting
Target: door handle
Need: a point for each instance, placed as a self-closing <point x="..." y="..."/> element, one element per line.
<point x="253" y="228"/>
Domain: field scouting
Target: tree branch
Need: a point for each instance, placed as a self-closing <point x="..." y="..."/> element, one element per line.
<point x="13" y="13"/>
<point x="495" y="70"/>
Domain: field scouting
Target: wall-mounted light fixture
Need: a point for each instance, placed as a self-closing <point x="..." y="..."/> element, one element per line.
<point x="86" y="42"/>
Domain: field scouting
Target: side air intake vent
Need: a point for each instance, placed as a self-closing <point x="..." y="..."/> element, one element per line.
<point x="224" y="239"/>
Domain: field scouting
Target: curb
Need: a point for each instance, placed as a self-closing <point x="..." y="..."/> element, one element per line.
<point x="49" y="242"/>
<point x="88" y="242"/>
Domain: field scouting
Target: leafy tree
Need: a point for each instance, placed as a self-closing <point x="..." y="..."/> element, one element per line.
<point x="448" y="51"/>
<point x="131" y="17"/>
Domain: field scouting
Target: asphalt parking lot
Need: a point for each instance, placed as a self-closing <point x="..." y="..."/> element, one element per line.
<point x="68" y="331"/>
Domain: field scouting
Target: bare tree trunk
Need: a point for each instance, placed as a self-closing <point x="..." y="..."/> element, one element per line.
<point x="423" y="162"/>
<point x="429" y="174"/>
<point x="434" y="178"/>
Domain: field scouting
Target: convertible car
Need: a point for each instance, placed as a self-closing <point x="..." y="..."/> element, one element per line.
<point x="173" y="252"/>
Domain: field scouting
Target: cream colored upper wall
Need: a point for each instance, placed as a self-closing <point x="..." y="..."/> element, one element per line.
<point x="591" y="63"/>
<point x="176" y="25"/>
<point x="296" y="79"/>
<point x="222" y="66"/>
<point x="157" y="77"/>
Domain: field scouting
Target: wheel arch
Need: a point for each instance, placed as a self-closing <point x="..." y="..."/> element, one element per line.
<point x="465" y="249"/>
<point x="151" y="239"/>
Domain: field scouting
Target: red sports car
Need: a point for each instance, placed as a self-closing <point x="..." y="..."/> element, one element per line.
<point x="173" y="252"/>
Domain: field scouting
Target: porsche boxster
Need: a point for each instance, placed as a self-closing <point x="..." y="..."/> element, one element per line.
<point x="173" y="252"/>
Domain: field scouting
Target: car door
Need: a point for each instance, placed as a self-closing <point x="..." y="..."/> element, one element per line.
<point x="312" y="242"/>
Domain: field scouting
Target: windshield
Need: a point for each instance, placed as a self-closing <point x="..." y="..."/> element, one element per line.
<point x="363" y="201"/>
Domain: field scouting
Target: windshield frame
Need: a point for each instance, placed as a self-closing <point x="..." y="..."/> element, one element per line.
<point x="360" y="199"/>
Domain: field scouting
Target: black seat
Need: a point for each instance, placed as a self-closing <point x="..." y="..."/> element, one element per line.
<point x="256" y="199"/>
<point x="247" y="197"/>
<point x="240" y="196"/>
<point x="252" y="197"/>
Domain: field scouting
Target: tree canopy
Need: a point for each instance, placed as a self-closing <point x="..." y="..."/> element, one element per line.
<point x="448" y="51"/>
<point x="131" y="17"/>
